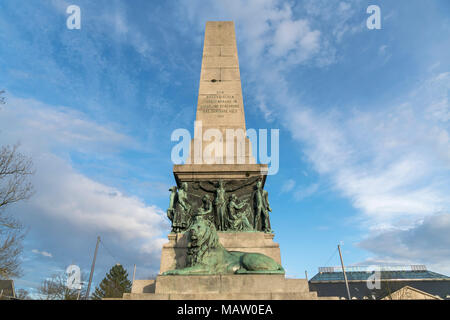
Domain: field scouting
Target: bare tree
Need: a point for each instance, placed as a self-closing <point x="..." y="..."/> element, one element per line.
<point x="55" y="288"/>
<point x="15" y="169"/>
<point x="23" y="294"/>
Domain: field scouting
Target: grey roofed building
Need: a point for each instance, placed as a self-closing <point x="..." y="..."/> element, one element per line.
<point x="329" y="282"/>
<point x="7" y="289"/>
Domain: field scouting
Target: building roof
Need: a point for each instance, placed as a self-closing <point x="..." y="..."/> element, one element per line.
<point x="410" y="293"/>
<point x="362" y="282"/>
<point x="384" y="275"/>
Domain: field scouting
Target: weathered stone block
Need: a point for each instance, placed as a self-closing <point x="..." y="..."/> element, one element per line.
<point x="143" y="286"/>
<point x="224" y="287"/>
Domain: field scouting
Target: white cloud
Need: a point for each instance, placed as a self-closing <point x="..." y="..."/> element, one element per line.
<point x="302" y="193"/>
<point x="65" y="195"/>
<point x="124" y="30"/>
<point x="267" y="28"/>
<point x="295" y="35"/>
<point x="288" y="185"/>
<point x="337" y="17"/>
<point x="272" y="35"/>
<point x="43" y="253"/>
<point x="393" y="163"/>
<point x="111" y="18"/>
<point x="439" y="107"/>
<point x="427" y="242"/>
<point x="43" y="127"/>
<point x="69" y="208"/>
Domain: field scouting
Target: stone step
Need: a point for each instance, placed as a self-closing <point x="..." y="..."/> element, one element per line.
<point x="222" y="296"/>
<point x="234" y="283"/>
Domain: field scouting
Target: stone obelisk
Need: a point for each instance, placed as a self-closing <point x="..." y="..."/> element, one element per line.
<point x="220" y="110"/>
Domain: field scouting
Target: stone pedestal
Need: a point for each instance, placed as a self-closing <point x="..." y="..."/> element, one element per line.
<point x="173" y="255"/>
<point x="221" y="287"/>
<point x="207" y="172"/>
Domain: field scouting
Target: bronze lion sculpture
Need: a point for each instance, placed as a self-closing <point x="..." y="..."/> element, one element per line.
<point x="206" y="255"/>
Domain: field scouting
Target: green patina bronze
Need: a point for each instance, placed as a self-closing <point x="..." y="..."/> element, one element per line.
<point x="261" y="208"/>
<point x="238" y="218"/>
<point x="207" y="256"/>
<point x="231" y="206"/>
<point x="179" y="211"/>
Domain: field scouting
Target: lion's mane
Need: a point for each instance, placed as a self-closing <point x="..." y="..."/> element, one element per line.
<point x="207" y="239"/>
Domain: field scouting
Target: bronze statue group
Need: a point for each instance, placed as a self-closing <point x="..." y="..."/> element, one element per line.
<point x="226" y="211"/>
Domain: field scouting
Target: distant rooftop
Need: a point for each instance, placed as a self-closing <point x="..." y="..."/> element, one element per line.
<point x="414" y="267"/>
<point x="362" y="273"/>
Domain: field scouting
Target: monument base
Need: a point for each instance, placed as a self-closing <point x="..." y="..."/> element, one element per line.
<point x="173" y="255"/>
<point x="221" y="287"/>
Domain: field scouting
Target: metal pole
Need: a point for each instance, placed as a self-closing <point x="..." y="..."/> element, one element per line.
<point x="92" y="269"/>
<point x="134" y="272"/>
<point x="306" y="274"/>
<point x="345" y="276"/>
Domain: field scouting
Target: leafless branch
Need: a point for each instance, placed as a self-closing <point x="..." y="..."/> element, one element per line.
<point x="55" y="288"/>
<point x="15" y="169"/>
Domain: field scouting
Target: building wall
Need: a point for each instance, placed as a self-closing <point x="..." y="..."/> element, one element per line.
<point x="359" y="289"/>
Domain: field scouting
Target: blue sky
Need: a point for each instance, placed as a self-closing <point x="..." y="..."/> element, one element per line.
<point x="363" y="116"/>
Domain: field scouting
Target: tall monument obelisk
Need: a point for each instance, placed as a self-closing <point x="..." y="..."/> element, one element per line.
<point x="221" y="245"/>
<point x="220" y="111"/>
<point x="220" y="123"/>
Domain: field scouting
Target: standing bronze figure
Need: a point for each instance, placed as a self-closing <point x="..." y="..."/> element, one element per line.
<point x="221" y="206"/>
<point x="183" y="209"/>
<point x="258" y="203"/>
<point x="261" y="208"/>
<point x="267" y="209"/>
<point x="171" y="211"/>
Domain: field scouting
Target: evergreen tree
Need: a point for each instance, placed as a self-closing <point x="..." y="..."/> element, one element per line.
<point x="114" y="285"/>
